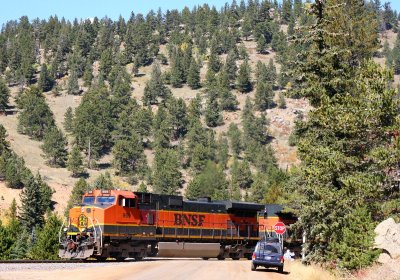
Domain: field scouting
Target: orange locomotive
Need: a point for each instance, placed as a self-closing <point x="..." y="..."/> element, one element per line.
<point x="124" y="224"/>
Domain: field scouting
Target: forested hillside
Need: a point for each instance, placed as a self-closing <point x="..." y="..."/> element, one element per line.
<point x="209" y="101"/>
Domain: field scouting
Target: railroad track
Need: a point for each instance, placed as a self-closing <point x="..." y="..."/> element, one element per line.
<point x="44" y="261"/>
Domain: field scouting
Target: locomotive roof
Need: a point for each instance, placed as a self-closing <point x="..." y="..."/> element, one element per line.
<point x="237" y="205"/>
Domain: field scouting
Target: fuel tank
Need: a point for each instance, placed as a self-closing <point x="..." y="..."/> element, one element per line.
<point x="188" y="250"/>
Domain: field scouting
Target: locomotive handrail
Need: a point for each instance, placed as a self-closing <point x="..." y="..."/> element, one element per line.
<point x="101" y="233"/>
<point x="61" y="228"/>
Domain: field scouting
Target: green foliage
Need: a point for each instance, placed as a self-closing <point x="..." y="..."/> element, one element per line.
<point x="129" y="157"/>
<point x="241" y="174"/>
<point x="213" y="114"/>
<point x="264" y="96"/>
<point x="80" y="188"/>
<point x="54" y="147"/>
<point x="356" y="240"/>
<point x="93" y="122"/>
<point x="211" y="182"/>
<point x="4" y="95"/>
<point x="45" y="82"/>
<point x="73" y="85"/>
<point x="243" y="82"/>
<point x="166" y="176"/>
<point x="281" y="101"/>
<point x="103" y="182"/>
<point x="36" y="117"/>
<point x="32" y="209"/>
<point x="75" y="162"/>
<point x="235" y="139"/>
<point x="193" y="79"/>
<point x="68" y="120"/>
<point x="46" y="245"/>
<point x="155" y="87"/>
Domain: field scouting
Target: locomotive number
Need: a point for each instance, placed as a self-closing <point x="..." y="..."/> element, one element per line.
<point x="189" y="220"/>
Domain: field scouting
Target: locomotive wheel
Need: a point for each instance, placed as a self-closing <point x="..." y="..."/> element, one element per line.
<point x="235" y="258"/>
<point x="205" y="258"/>
<point x="120" y="259"/>
<point x="101" y="259"/>
<point x="221" y="258"/>
<point x="138" y="258"/>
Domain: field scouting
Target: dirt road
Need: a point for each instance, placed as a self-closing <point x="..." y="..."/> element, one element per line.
<point x="151" y="269"/>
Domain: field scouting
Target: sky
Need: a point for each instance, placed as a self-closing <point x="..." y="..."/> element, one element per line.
<point x="43" y="9"/>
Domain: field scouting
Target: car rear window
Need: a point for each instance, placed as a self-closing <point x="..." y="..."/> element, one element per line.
<point x="269" y="248"/>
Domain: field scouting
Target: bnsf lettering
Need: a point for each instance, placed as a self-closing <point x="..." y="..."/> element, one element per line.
<point x="189" y="220"/>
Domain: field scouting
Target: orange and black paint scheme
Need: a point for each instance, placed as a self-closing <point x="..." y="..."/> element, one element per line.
<point x="124" y="224"/>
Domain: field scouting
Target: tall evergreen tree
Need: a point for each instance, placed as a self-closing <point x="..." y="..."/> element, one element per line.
<point x="68" y="120"/>
<point x="155" y="87"/>
<point x="73" y="86"/>
<point x="4" y="95"/>
<point x="36" y="117"/>
<point x="54" y="147"/>
<point x="75" y="162"/>
<point x="243" y="82"/>
<point x="193" y="79"/>
<point x="31" y="212"/>
<point x="45" y="82"/>
<point x="166" y="175"/>
<point x="213" y="112"/>
<point x="79" y="189"/>
<point x="263" y="98"/>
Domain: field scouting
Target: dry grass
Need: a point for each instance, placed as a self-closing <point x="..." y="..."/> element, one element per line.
<point x="299" y="271"/>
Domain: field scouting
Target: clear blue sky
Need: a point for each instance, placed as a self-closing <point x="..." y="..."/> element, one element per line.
<point x="14" y="9"/>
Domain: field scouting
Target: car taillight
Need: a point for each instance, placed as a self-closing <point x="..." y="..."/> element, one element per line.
<point x="282" y="259"/>
<point x="253" y="257"/>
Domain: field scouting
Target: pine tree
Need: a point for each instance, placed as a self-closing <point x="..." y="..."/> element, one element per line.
<point x="241" y="174"/>
<point x="155" y="87"/>
<point x="68" y="120"/>
<point x="4" y="96"/>
<point x="31" y="210"/>
<point x="45" y="82"/>
<point x="47" y="243"/>
<point x="75" y="162"/>
<point x="243" y="82"/>
<point x="129" y="157"/>
<point x="230" y="66"/>
<point x="213" y="112"/>
<point x="103" y="182"/>
<point x="88" y="74"/>
<point x="193" y="79"/>
<point x="261" y="44"/>
<point x="246" y="28"/>
<point x="36" y="117"/>
<point x="166" y="175"/>
<point x="73" y="86"/>
<point x="211" y="182"/>
<point x="54" y="147"/>
<point x="281" y="101"/>
<point x="235" y="139"/>
<point x="222" y="153"/>
<point x="263" y="98"/>
<point x="80" y="188"/>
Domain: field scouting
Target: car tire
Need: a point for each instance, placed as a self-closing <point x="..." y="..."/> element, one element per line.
<point x="280" y="269"/>
<point x="253" y="267"/>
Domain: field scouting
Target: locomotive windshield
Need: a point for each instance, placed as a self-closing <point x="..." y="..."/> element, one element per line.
<point x="88" y="200"/>
<point x="105" y="199"/>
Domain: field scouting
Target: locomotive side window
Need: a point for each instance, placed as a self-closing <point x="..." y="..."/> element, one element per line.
<point x="105" y="199"/>
<point x="127" y="202"/>
<point x="88" y="200"/>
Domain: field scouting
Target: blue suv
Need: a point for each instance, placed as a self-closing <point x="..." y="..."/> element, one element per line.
<point x="268" y="253"/>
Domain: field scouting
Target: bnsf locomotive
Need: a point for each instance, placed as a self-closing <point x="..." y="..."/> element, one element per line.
<point x="124" y="224"/>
